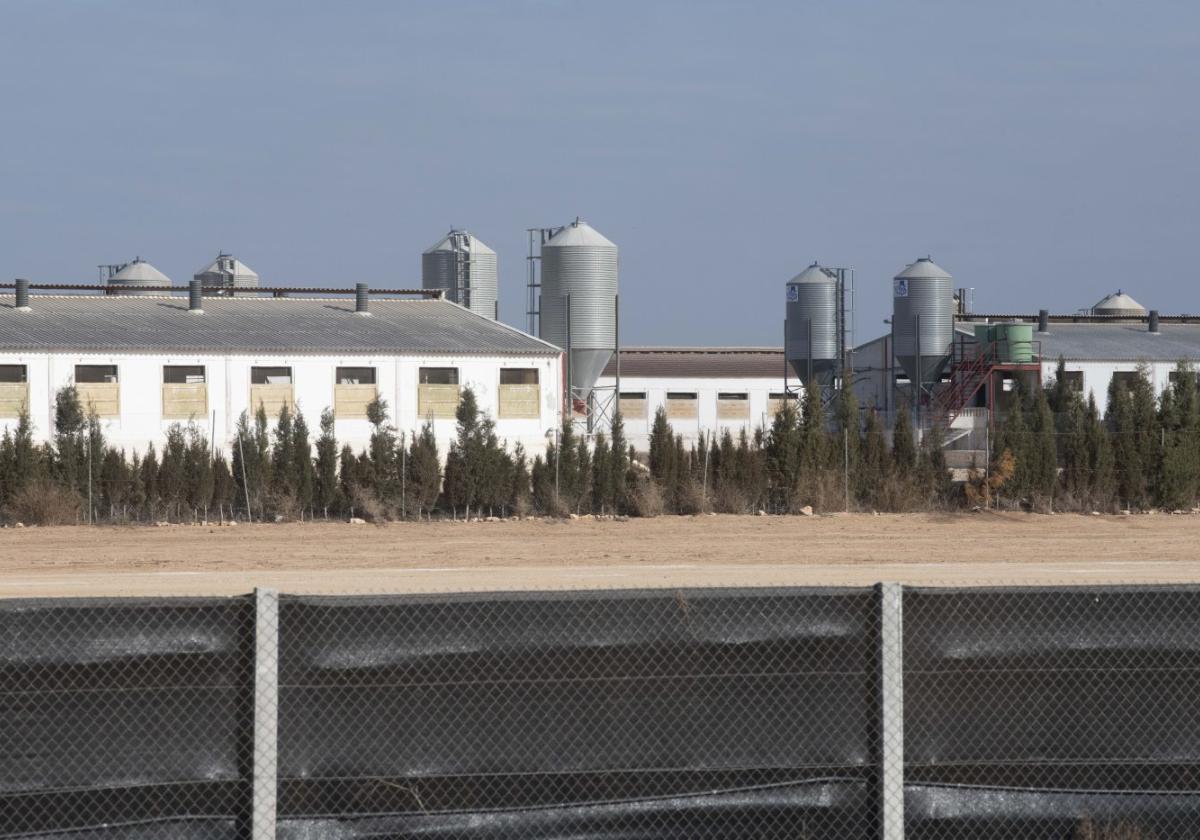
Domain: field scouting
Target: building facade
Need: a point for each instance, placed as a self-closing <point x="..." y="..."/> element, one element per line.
<point x="702" y="389"/>
<point x="143" y="364"/>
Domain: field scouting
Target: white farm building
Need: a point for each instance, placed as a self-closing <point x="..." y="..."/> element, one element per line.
<point x="702" y="389"/>
<point x="144" y="363"/>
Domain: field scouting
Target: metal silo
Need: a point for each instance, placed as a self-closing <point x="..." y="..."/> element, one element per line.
<point x="578" y="308"/>
<point x="461" y="265"/>
<point x="923" y="319"/>
<point x="225" y="274"/>
<point x="132" y="279"/>
<point x="811" y="343"/>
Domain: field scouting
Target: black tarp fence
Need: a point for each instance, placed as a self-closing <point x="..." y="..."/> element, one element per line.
<point x="1068" y="712"/>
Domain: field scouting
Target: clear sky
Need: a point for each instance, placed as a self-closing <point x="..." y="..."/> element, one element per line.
<point x="1043" y="152"/>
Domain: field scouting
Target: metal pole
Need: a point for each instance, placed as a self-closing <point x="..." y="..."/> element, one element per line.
<point x="570" y="383"/>
<point x="266" y="713"/>
<point x="89" y="456"/>
<point x="891" y="711"/>
<point x="617" y="329"/>
<point x="846" y="460"/>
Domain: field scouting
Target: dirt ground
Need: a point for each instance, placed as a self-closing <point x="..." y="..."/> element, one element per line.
<point x="948" y="550"/>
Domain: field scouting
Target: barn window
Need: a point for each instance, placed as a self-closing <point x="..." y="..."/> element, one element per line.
<point x="271" y="390"/>
<point x="184" y="392"/>
<point x="733" y="405"/>
<point x="633" y="405"/>
<point x="682" y="405"/>
<point x="353" y="390"/>
<point x="14" y="390"/>
<point x="98" y="390"/>
<point x="437" y="393"/>
<point x="520" y="394"/>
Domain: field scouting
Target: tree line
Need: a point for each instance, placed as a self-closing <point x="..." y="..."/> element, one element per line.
<point x="1054" y="449"/>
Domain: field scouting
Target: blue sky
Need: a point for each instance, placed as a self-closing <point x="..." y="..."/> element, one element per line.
<point x="1043" y="152"/>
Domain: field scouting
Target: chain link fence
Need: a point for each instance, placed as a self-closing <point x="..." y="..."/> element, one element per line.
<point x="709" y="713"/>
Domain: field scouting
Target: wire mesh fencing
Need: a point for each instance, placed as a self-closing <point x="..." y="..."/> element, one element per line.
<point x="704" y="713"/>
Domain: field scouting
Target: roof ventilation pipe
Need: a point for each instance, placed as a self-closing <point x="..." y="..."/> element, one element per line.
<point x="1153" y="318"/>
<point x="1043" y="320"/>
<point x="362" y="304"/>
<point x="195" y="300"/>
<point x="23" y="295"/>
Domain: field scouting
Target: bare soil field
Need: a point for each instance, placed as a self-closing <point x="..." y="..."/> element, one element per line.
<point x="933" y="550"/>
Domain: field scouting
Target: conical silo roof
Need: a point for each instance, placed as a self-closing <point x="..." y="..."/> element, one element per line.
<point x="924" y="269"/>
<point x="446" y="243"/>
<point x="1118" y="303"/>
<point x="579" y="232"/>
<point x="813" y="274"/>
<point x="136" y="276"/>
<point x="141" y="272"/>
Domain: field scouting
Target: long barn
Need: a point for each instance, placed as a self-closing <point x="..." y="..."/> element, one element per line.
<point x="144" y="363"/>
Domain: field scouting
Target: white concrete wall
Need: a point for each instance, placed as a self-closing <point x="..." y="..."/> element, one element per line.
<point x="1097" y="376"/>
<point x="228" y="378"/>
<point x="637" y="429"/>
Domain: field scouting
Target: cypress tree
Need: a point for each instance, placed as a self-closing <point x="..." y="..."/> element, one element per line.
<point x="424" y="471"/>
<point x="385" y="476"/>
<point x="1103" y="486"/>
<point x="198" y="471"/>
<point x="455" y="491"/>
<point x="325" y="478"/>
<point x="172" y="471"/>
<point x="149" y="475"/>
<point x="1043" y="448"/>
<point x="620" y="465"/>
<point x="1149" y="435"/>
<point x="876" y="466"/>
<point x="664" y="464"/>
<point x="69" y="429"/>
<point x="347" y="474"/>
<point x="1131" y="484"/>
<point x="783" y="445"/>
<point x="113" y="483"/>
<point x="224" y="486"/>
<point x="283" y="455"/>
<point x="602" y="483"/>
<point x="904" y="447"/>
<point x="1076" y="456"/>
<point x="302" y="464"/>
<point x="521" y="488"/>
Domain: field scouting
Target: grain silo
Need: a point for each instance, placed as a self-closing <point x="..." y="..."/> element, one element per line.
<point x="225" y="274"/>
<point x="578" y="305"/>
<point x="466" y="269"/>
<point x="811" y="325"/>
<point x="923" y="320"/>
<point x="137" y="279"/>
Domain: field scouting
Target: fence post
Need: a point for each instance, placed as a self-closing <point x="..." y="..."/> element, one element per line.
<point x="891" y="711"/>
<point x="266" y="712"/>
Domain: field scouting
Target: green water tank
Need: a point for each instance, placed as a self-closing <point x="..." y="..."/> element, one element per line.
<point x="1015" y="343"/>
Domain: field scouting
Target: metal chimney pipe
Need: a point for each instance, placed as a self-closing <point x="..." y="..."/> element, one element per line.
<point x="1153" y="321"/>
<point x="362" y="305"/>
<point x="23" y="295"/>
<point x="1043" y="320"/>
<point x="195" y="298"/>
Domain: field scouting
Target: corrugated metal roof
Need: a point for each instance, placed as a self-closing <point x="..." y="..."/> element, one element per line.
<point x="1120" y="342"/>
<point x="700" y="362"/>
<point x="268" y="325"/>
